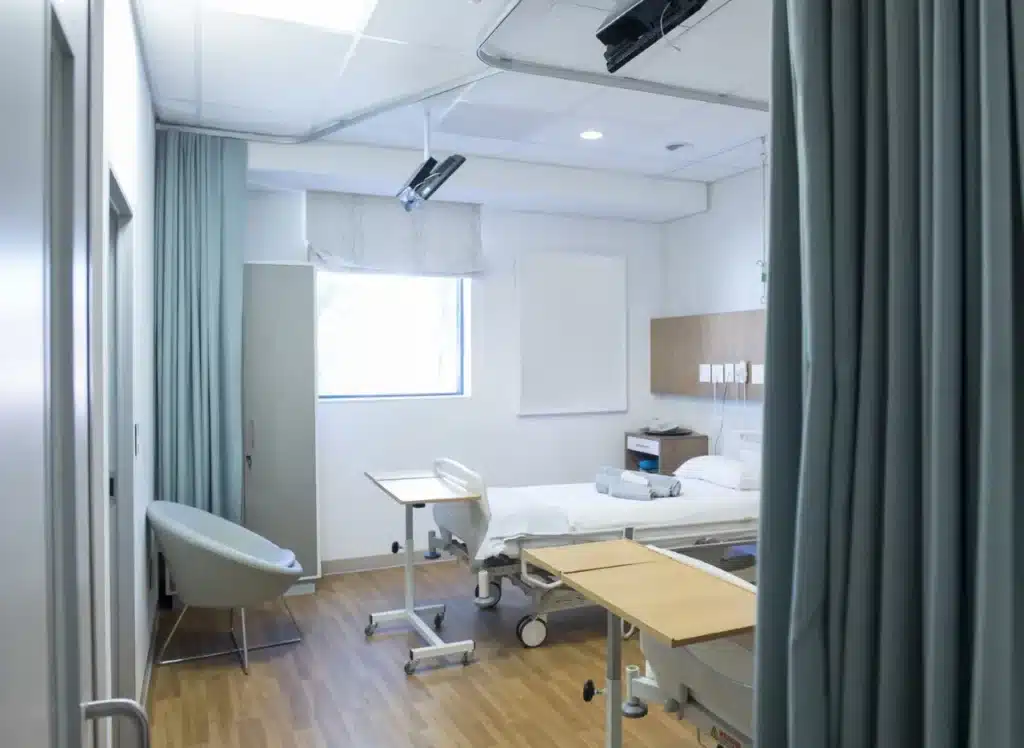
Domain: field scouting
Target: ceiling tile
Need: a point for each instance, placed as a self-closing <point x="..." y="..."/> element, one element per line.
<point x="731" y="161"/>
<point x="452" y="24"/>
<point x="530" y="92"/>
<point x="178" y="110"/>
<point x="253" y="62"/>
<point x="562" y="35"/>
<point x="502" y="123"/>
<point x="380" y="71"/>
<point x="636" y="106"/>
<point x="708" y="171"/>
<point x="719" y="54"/>
<point x="277" y="121"/>
<point x="596" y="158"/>
<point x="169" y="34"/>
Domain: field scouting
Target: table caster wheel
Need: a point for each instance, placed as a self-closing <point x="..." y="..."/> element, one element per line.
<point x="492" y="600"/>
<point x="439" y="621"/>
<point x="589" y="691"/>
<point x="467" y="657"/>
<point x="531" y="631"/>
<point x="370" y="629"/>
<point x="409" y="667"/>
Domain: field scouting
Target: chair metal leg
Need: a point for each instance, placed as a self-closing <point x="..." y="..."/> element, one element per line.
<point x="160" y="657"/>
<point x="245" y="644"/>
<point x="241" y="648"/>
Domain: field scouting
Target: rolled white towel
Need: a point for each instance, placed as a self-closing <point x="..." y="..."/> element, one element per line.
<point x="665" y="486"/>
<point x="630" y="476"/>
<point x="629" y="490"/>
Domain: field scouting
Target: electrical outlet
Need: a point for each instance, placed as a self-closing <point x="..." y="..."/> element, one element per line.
<point x="757" y="374"/>
<point x="730" y="373"/>
<point x="705" y="372"/>
<point x="717" y="373"/>
<point x="742" y="375"/>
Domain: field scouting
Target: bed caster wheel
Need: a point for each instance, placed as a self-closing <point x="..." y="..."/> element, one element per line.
<point x="439" y="621"/>
<point x="492" y="600"/>
<point x="370" y="629"/>
<point x="409" y="667"/>
<point x="467" y="657"/>
<point x="531" y="631"/>
<point x="589" y="691"/>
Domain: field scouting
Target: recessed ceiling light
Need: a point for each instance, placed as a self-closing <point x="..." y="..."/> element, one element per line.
<point x="591" y="134"/>
<point x="346" y="16"/>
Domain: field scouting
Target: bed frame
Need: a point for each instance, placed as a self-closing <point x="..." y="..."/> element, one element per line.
<point x="548" y="595"/>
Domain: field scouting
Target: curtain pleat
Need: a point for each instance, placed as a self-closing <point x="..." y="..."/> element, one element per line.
<point x="200" y="225"/>
<point x="890" y="559"/>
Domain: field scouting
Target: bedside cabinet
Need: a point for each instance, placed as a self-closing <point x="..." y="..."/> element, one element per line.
<point x="670" y="451"/>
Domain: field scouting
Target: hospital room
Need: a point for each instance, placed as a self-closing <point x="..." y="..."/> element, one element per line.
<point x="520" y="373"/>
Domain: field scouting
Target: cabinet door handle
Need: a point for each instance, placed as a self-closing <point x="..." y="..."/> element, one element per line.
<point x="111" y="708"/>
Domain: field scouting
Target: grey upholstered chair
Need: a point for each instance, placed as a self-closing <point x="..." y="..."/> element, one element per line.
<point x="217" y="564"/>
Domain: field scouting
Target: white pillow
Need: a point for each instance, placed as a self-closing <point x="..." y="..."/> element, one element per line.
<point x="721" y="471"/>
<point x="751" y="459"/>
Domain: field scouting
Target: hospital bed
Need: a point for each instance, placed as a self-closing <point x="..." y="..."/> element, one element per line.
<point x="492" y="533"/>
<point x="690" y="615"/>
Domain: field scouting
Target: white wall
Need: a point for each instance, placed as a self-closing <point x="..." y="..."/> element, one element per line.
<point x="481" y="430"/>
<point x="276" y="227"/>
<point x="129" y="136"/>
<point x="710" y="265"/>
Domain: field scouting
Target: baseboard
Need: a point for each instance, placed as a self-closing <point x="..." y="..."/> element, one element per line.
<point x="147" y="673"/>
<point x="375" y="563"/>
<point x="301" y="588"/>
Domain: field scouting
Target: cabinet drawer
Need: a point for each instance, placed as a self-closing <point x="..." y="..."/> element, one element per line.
<point x="639" y="444"/>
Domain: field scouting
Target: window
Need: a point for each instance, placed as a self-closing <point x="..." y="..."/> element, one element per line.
<point x="390" y="335"/>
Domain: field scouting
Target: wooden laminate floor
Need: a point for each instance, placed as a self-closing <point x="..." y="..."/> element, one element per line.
<point x="338" y="689"/>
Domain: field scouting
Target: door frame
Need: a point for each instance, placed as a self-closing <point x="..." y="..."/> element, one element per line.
<point x="122" y="449"/>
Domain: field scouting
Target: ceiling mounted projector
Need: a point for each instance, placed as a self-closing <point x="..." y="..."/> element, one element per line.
<point x="631" y="29"/>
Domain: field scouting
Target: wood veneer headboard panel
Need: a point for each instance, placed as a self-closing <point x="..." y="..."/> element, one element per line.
<point x="679" y="345"/>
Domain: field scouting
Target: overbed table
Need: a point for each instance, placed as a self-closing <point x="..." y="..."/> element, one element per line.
<point x="670" y="601"/>
<point x="414" y="490"/>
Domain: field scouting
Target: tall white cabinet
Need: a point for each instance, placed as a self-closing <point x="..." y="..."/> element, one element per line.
<point x="279" y="401"/>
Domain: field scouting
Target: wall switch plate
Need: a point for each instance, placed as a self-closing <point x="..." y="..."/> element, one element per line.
<point x="730" y="373"/>
<point x="717" y="373"/>
<point x="705" y="372"/>
<point x="742" y="375"/>
<point x="757" y="374"/>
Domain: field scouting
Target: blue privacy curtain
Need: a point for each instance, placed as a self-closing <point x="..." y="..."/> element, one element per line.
<point x="891" y="573"/>
<point x="200" y="230"/>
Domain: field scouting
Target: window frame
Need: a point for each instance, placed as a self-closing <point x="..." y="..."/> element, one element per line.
<point x="460" y="321"/>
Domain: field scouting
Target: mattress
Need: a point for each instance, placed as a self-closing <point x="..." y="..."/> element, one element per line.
<point x="561" y="511"/>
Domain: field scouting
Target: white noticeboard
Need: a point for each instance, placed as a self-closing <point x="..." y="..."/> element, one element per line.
<point x="572" y="333"/>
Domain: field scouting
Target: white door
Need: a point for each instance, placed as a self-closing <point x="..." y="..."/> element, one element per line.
<point x="51" y="207"/>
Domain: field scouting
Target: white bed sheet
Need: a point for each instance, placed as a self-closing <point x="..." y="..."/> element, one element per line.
<point x="568" y="509"/>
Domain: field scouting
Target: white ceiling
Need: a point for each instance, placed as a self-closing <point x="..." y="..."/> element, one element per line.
<point x="232" y="70"/>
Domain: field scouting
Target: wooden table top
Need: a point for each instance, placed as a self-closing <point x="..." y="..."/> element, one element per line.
<point x="419" y="488"/>
<point x="603" y="554"/>
<point x="676" y="602"/>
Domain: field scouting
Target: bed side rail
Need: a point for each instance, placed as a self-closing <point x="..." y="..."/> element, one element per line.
<point x="707" y="568"/>
<point x="456" y="474"/>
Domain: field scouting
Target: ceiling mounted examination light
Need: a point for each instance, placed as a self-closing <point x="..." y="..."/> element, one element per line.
<point x="591" y="134"/>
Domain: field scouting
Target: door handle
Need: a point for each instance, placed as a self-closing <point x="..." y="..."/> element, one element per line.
<point x="112" y="708"/>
